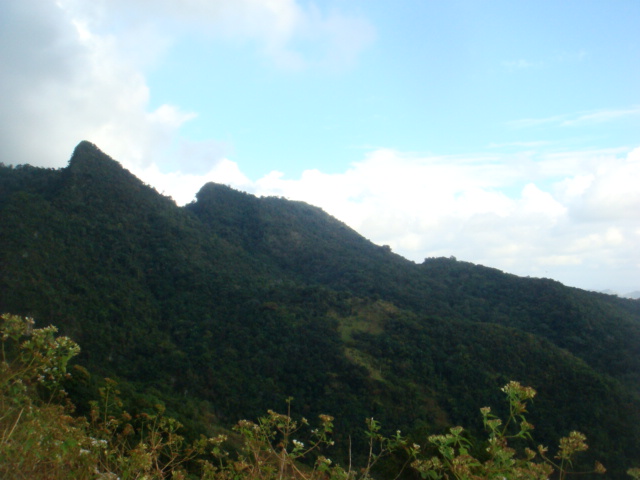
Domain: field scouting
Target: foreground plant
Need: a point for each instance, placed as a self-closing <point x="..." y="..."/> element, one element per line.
<point x="272" y="450"/>
<point x="40" y="437"/>
<point x="504" y="461"/>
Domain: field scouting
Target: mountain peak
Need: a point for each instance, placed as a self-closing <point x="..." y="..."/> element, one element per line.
<point x="86" y="146"/>
<point x="89" y="159"/>
<point x="217" y="192"/>
<point x="93" y="176"/>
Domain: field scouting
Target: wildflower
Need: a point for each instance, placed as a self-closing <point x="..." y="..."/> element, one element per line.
<point x="221" y="438"/>
<point x="493" y="424"/>
<point x="98" y="443"/>
<point x="516" y="390"/>
<point x="525" y="426"/>
<point x="599" y="468"/>
<point x="575" y="442"/>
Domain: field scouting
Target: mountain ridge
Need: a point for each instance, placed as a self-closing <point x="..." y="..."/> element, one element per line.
<point x="244" y="301"/>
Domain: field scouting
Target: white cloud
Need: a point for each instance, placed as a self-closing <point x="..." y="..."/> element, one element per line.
<point x="75" y="70"/>
<point x="532" y="144"/>
<point x="565" y="57"/>
<point x="602" y="116"/>
<point x="605" y="190"/>
<point x="536" y="203"/>
<point x="521" y="64"/>
<point x="535" y="122"/>
<point x="62" y="83"/>
<point x="579" y="118"/>
<point x="182" y="187"/>
<point x="290" y="33"/>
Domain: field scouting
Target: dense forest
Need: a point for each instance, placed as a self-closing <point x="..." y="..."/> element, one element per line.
<point x="224" y="308"/>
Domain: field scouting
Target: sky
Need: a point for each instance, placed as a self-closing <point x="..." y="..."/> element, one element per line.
<point x="504" y="133"/>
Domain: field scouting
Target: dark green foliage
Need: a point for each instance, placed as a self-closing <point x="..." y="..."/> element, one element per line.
<point x="226" y="307"/>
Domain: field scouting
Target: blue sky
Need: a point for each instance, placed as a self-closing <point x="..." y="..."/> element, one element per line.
<point x="432" y="77"/>
<point x="504" y="133"/>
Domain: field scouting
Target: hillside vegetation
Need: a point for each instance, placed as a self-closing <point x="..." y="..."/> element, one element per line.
<point x="41" y="436"/>
<point x="224" y="308"/>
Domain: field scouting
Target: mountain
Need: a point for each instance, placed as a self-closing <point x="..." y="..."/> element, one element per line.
<point x="227" y="306"/>
<point x="634" y="295"/>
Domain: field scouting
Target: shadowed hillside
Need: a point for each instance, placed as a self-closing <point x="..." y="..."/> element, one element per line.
<point x="229" y="305"/>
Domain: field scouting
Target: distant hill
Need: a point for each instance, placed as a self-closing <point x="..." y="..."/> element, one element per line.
<point x="635" y="295"/>
<point x="229" y="305"/>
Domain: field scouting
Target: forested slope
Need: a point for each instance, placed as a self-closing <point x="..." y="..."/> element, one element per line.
<point x="229" y="305"/>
